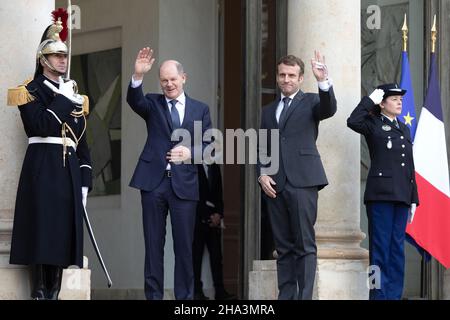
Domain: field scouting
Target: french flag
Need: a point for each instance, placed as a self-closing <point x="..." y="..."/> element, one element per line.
<point x="431" y="225"/>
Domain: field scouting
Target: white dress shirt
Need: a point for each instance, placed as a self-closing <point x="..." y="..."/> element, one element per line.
<point x="281" y="105"/>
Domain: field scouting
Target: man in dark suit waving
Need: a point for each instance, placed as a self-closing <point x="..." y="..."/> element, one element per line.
<point x="165" y="173"/>
<point x="292" y="192"/>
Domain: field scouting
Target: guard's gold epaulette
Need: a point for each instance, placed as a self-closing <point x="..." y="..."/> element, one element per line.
<point x="20" y="95"/>
<point x="86" y="105"/>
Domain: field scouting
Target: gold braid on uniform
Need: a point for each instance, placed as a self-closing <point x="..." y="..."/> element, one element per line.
<point x="20" y="95"/>
<point x="84" y="111"/>
<point x="76" y="114"/>
<point x="76" y="139"/>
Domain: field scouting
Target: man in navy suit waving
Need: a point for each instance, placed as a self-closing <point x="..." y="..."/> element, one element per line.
<point x="165" y="173"/>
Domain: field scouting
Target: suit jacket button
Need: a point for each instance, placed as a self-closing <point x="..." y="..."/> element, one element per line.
<point x="380" y="174"/>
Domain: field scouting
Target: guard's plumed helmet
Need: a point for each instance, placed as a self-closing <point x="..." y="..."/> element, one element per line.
<point x="53" y="40"/>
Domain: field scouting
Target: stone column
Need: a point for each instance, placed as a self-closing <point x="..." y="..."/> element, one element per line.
<point x="333" y="27"/>
<point x="22" y="23"/>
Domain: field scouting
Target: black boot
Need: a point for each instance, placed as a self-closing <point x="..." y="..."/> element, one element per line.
<point x="222" y="294"/>
<point x="54" y="283"/>
<point x="38" y="279"/>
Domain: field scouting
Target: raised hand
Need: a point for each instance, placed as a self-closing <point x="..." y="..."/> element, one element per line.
<point x="144" y="63"/>
<point x="377" y="96"/>
<point x="319" y="67"/>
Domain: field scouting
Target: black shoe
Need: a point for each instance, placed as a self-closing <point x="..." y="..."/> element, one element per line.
<point x="225" y="296"/>
<point x="54" y="284"/>
<point x="38" y="278"/>
<point x="200" y="296"/>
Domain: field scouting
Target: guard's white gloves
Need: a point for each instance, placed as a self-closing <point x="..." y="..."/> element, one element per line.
<point x="66" y="89"/>
<point x="377" y="96"/>
<point x="84" y="193"/>
<point x="412" y="212"/>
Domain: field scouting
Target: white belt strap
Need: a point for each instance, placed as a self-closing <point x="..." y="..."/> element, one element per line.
<point x="53" y="140"/>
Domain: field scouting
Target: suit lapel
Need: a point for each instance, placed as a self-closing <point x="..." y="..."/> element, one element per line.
<point x="294" y="105"/>
<point x="166" y="113"/>
<point x="188" y="113"/>
<point x="272" y="114"/>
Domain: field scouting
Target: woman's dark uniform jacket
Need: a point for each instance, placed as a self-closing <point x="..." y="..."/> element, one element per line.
<point x="392" y="174"/>
<point x="48" y="221"/>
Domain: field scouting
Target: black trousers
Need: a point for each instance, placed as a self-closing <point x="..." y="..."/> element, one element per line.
<point x="211" y="238"/>
<point x="293" y="215"/>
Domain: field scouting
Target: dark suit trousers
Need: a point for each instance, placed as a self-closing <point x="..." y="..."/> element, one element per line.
<point x="212" y="238"/>
<point x="156" y="205"/>
<point x="293" y="215"/>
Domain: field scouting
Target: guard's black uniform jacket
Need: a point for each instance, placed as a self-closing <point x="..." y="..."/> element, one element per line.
<point x="48" y="221"/>
<point x="392" y="174"/>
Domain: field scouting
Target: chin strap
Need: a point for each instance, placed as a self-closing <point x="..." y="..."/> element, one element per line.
<point x="49" y="65"/>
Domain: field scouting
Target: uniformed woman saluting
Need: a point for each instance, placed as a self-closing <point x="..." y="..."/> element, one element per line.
<point x="391" y="190"/>
<point x="56" y="173"/>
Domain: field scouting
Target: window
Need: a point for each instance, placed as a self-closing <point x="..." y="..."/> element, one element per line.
<point x="98" y="76"/>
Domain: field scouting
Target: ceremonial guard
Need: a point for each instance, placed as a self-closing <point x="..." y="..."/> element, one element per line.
<point x="391" y="191"/>
<point x="56" y="174"/>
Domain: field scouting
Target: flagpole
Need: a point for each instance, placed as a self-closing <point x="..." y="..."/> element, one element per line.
<point x="426" y="268"/>
<point x="433" y="36"/>
<point x="423" y="292"/>
<point x="405" y="36"/>
<point x="69" y="27"/>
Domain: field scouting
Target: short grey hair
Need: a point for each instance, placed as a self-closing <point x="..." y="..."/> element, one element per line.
<point x="178" y="65"/>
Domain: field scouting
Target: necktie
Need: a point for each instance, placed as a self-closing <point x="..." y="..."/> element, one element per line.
<point x="283" y="114"/>
<point x="176" y="123"/>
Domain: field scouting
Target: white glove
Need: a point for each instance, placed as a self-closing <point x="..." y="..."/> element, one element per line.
<point x="66" y="89"/>
<point x="412" y="212"/>
<point x="84" y="193"/>
<point x="377" y="96"/>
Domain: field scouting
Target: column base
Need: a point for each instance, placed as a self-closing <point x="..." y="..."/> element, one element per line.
<point x="15" y="281"/>
<point x="341" y="280"/>
<point x="336" y="279"/>
<point x="263" y="282"/>
<point x="16" y="285"/>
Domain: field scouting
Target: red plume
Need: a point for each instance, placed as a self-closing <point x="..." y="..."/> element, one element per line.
<point x="62" y="13"/>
